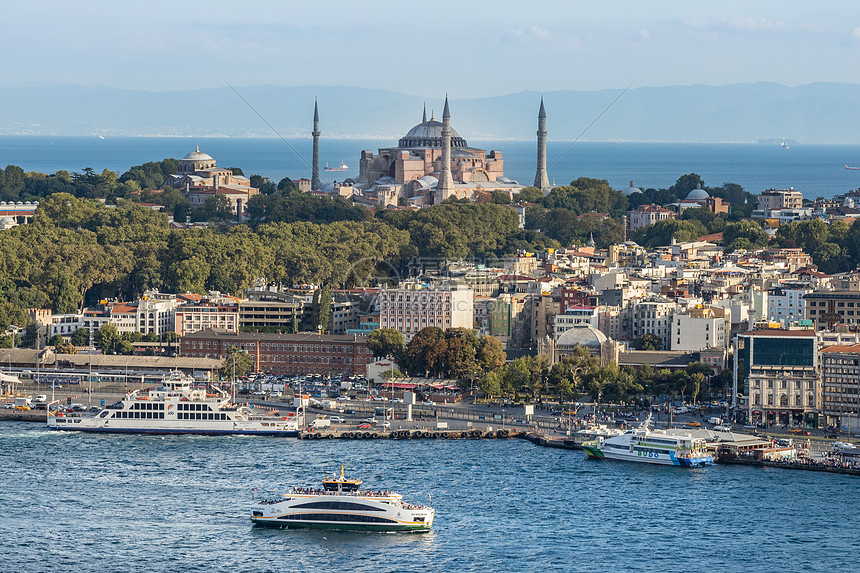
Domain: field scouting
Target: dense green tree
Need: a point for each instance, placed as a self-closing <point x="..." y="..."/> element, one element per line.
<point x="744" y="235"/>
<point x="386" y="342"/>
<point x="417" y="362"/>
<point x="237" y="363"/>
<point x="490" y="354"/>
<point x="322" y="308"/>
<point x="63" y="347"/>
<point x="107" y="338"/>
<point x="649" y="341"/>
<point x="663" y="232"/>
<point x="81" y="337"/>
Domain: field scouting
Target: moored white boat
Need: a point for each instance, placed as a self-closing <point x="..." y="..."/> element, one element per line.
<point x="650" y="446"/>
<point x="340" y="504"/>
<point x="176" y="407"/>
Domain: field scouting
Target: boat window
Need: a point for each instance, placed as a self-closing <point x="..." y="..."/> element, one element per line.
<point x="357" y="518"/>
<point x="340" y="505"/>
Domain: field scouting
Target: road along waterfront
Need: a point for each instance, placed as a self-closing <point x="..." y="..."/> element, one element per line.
<point x="88" y="502"/>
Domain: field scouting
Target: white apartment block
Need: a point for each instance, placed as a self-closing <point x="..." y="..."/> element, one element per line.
<point x="195" y="317"/>
<point x="65" y="324"/>
<point x="413" y="306"/>
<point x="780" y="199"/>
<point x="652" y="316"/>
<point x="786" y="305"/>
<point x="700" y="328"/>
<point x="648" y="215"/>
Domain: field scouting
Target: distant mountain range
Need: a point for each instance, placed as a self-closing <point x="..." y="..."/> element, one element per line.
<point x="812" y="113"/>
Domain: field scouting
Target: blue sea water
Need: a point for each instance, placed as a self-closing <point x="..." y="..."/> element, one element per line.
<point x="84" y="502"/>
<point x="815" y="170"/>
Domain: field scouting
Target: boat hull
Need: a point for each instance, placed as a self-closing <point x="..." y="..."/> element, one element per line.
<point x="180" y="431"/>
<point x="339" y="526"/>
<point x="663" y="459"/>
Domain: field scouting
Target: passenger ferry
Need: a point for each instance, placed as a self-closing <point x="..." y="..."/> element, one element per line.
<point x="650" y="446"/>
<point x="340" y="504"/>
<point x="175" y="406"/>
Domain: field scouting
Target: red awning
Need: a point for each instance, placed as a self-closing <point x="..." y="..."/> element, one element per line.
<point x="756" y="412"/>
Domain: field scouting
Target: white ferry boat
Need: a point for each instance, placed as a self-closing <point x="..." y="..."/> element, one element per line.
<point x="342" y="505"/>
<point x="176" y="407"/>
<point x="651" y="446"/>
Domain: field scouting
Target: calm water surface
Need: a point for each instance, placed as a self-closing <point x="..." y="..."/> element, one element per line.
<point x="81" y="502"/>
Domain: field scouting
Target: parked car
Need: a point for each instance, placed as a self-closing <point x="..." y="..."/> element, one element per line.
<point x="693" y="424"/>
<point x="385" y="424"/>
<point x="364" y="426"/>
<point x="336" y="419"/>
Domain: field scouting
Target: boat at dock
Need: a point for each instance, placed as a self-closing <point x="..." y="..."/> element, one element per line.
<point x="176" y="406"/>
<point x="342" y="504"/>
<point x="644" y="445"/>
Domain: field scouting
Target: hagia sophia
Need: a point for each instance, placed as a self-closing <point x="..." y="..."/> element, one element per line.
<point x="430" y="164"/>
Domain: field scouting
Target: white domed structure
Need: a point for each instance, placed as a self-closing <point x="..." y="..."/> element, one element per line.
<point x="631" y="190"/>
<point x="697" y="194"/>
<point x="587" y="337"/>
<point x="196" y="161"/>
<point x="7" y="223"/>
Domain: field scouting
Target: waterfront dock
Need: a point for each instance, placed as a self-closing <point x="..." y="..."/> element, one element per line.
<point x="468" y="434"/>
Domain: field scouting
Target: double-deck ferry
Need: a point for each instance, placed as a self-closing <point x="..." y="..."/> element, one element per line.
<point x="341" y="504"/>
<point x="175" y="406"/>
<point x="651" y="446"/>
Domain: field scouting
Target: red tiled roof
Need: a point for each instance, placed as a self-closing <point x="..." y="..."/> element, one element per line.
<point x="846" y="348"/>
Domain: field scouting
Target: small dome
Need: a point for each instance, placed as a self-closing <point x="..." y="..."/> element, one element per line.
<point x="697" y="194"/>
<point x="582" y="336"/>
<point x="197" y="156"/>
<point x="7" y="221"/>
<point x="631" y="190"/>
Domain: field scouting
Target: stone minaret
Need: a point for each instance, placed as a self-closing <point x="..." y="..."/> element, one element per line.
<point x="315" y="166"/>
<point x="445" y="186"/>
<point x="541" y="178"/>
<point x="424" y="118"/>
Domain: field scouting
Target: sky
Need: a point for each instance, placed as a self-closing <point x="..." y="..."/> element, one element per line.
<point x="467" y="49"/>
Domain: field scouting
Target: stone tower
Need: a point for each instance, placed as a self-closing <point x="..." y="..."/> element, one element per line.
<point x="445" y="186"/>
<point x="541" y="178"/>
<point x="315" y="165"/>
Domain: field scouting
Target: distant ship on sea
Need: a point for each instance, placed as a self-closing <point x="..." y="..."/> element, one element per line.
<point x="852" y="168"/>
<point x="342" y="167"/>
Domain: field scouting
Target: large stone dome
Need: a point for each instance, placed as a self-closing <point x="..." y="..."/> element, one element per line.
<point x="697" y="194"/>
<point x="581" y="336"/>
<point x="197" y="156"/>
<point x="429" y="134"/>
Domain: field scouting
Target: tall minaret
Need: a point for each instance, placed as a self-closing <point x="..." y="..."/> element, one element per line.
<point x="424" y="119"/>
<point x="445" y="186"/>
<point x="315" y="166"/>
<point x="541" y="178"/>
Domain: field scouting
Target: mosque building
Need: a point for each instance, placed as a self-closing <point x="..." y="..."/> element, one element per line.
<point x="200" y="178"/>
<point x="432" y="163"/>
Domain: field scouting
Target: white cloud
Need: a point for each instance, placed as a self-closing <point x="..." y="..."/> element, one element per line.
<point x="531" y="34"/>
<point x="855" y="33"/>
<point x="644" y="34"/>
